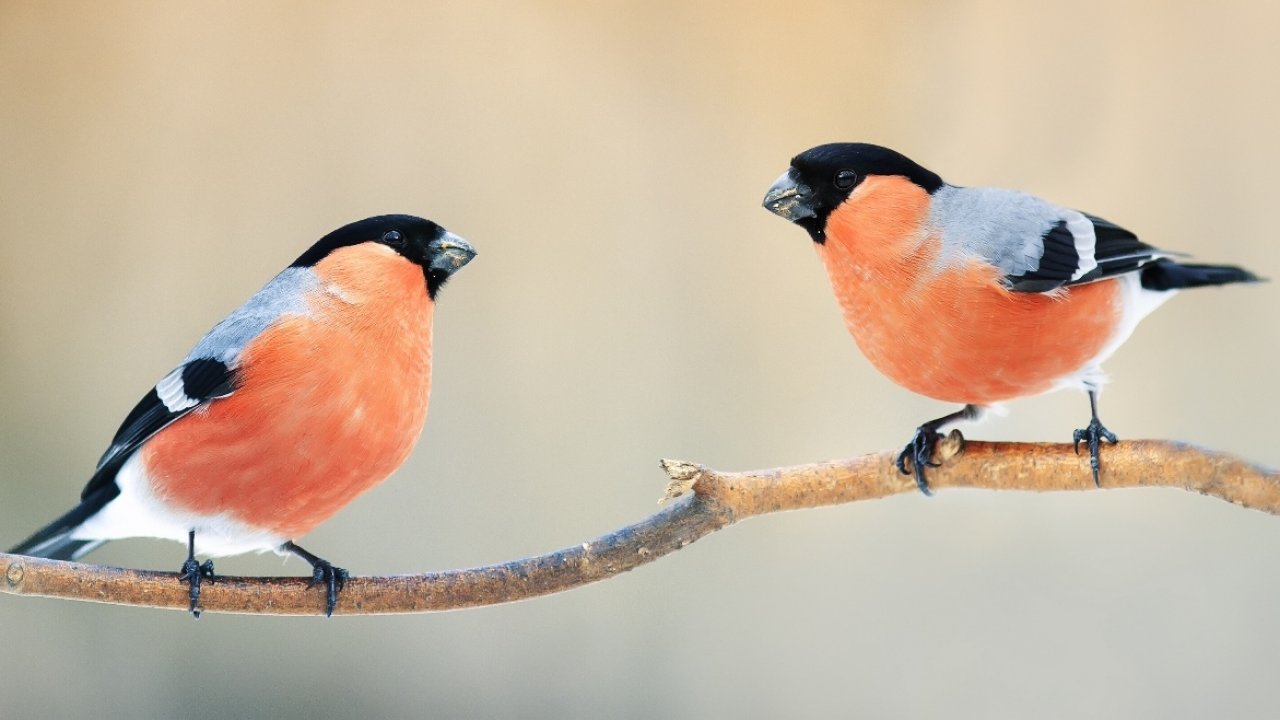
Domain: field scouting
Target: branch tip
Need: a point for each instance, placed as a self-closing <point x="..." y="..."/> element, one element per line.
<point x="683" y="476"/>
<point x="680" y="469"/>
<point x="951" y="445"/>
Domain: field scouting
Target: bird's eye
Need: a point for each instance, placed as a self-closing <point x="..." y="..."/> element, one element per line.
<point x="845" y="179"/>
<point x="392" y="237"/>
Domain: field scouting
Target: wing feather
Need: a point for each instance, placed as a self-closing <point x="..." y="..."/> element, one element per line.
<point x="193" y="385"/>
<point x="1076" y="252"/>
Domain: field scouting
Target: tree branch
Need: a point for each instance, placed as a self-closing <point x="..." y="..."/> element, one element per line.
<point x="707" y="501"/>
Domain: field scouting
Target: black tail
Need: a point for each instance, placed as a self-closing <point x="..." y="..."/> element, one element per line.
<point x="54" y="540"/>
<point x="1165" y="274"/>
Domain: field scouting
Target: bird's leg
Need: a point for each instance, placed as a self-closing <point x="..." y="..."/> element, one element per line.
<point x="195" y="573"/>
<point x="1093" y="435"/>
<point x="322" y="572"/>
<point x="920" y="450"/>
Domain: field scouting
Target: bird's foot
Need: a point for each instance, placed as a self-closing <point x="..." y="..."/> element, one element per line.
<point x="322" y="571"/>
<point x="1093" y="436"/>
<point x="333" y="578"/>
<point x="920" y="453"/>
<point x="195" y="573"/>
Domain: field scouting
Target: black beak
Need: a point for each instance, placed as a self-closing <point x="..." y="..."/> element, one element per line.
<point x="788" y="199"/>
<point x="449" y="253"/>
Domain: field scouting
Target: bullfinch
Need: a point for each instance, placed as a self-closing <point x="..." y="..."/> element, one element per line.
<point x="309" y="394"/>
<point x="975" y="295"/>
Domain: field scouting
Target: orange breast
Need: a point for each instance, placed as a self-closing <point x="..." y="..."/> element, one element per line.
<point x="328" y="404"/>
<point x="952" y="333"/>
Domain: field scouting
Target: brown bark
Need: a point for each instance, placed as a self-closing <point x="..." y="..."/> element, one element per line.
<point x="706" y="500"/>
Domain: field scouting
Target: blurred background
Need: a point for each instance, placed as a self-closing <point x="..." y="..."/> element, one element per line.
<point x="633" y="301"/>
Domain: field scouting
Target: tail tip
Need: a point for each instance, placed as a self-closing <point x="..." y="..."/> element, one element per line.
<point x="1165" y="274"/>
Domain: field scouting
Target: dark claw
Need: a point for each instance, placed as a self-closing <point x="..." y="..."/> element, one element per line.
<point x="334" y="579"/>
<point x="195" y="573"/>
<point x="1093" y="436"/>
<point x="322" y="571"/>
<point x="920" y="452"/>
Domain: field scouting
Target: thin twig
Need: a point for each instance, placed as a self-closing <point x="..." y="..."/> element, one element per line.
<point x="706" y="500"/>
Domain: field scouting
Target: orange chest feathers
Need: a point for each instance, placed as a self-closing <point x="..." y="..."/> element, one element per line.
<point x="328" y="403"/>
<point x="948" y="328"/>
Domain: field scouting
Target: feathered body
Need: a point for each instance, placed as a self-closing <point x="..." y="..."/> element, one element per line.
<point x="974" y="295"/>
<point x="930" y="309"/>
<point x="331" y="398"/>
<point x="309" y="394"/>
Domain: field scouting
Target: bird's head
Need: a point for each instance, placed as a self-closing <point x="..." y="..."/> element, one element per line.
<point x="822" y="178"/>
<point x="439" y="252"/>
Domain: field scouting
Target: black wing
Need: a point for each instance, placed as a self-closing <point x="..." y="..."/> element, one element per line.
<point x="181" y="391"/>
<point x="1116" y="251"/>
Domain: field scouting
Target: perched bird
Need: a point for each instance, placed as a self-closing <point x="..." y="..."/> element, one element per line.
<point x="975" y="295"/>
<point x="310" y="393"/>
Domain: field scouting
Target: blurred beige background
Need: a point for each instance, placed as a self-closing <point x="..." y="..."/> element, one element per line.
<point x="632" y="301"/>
